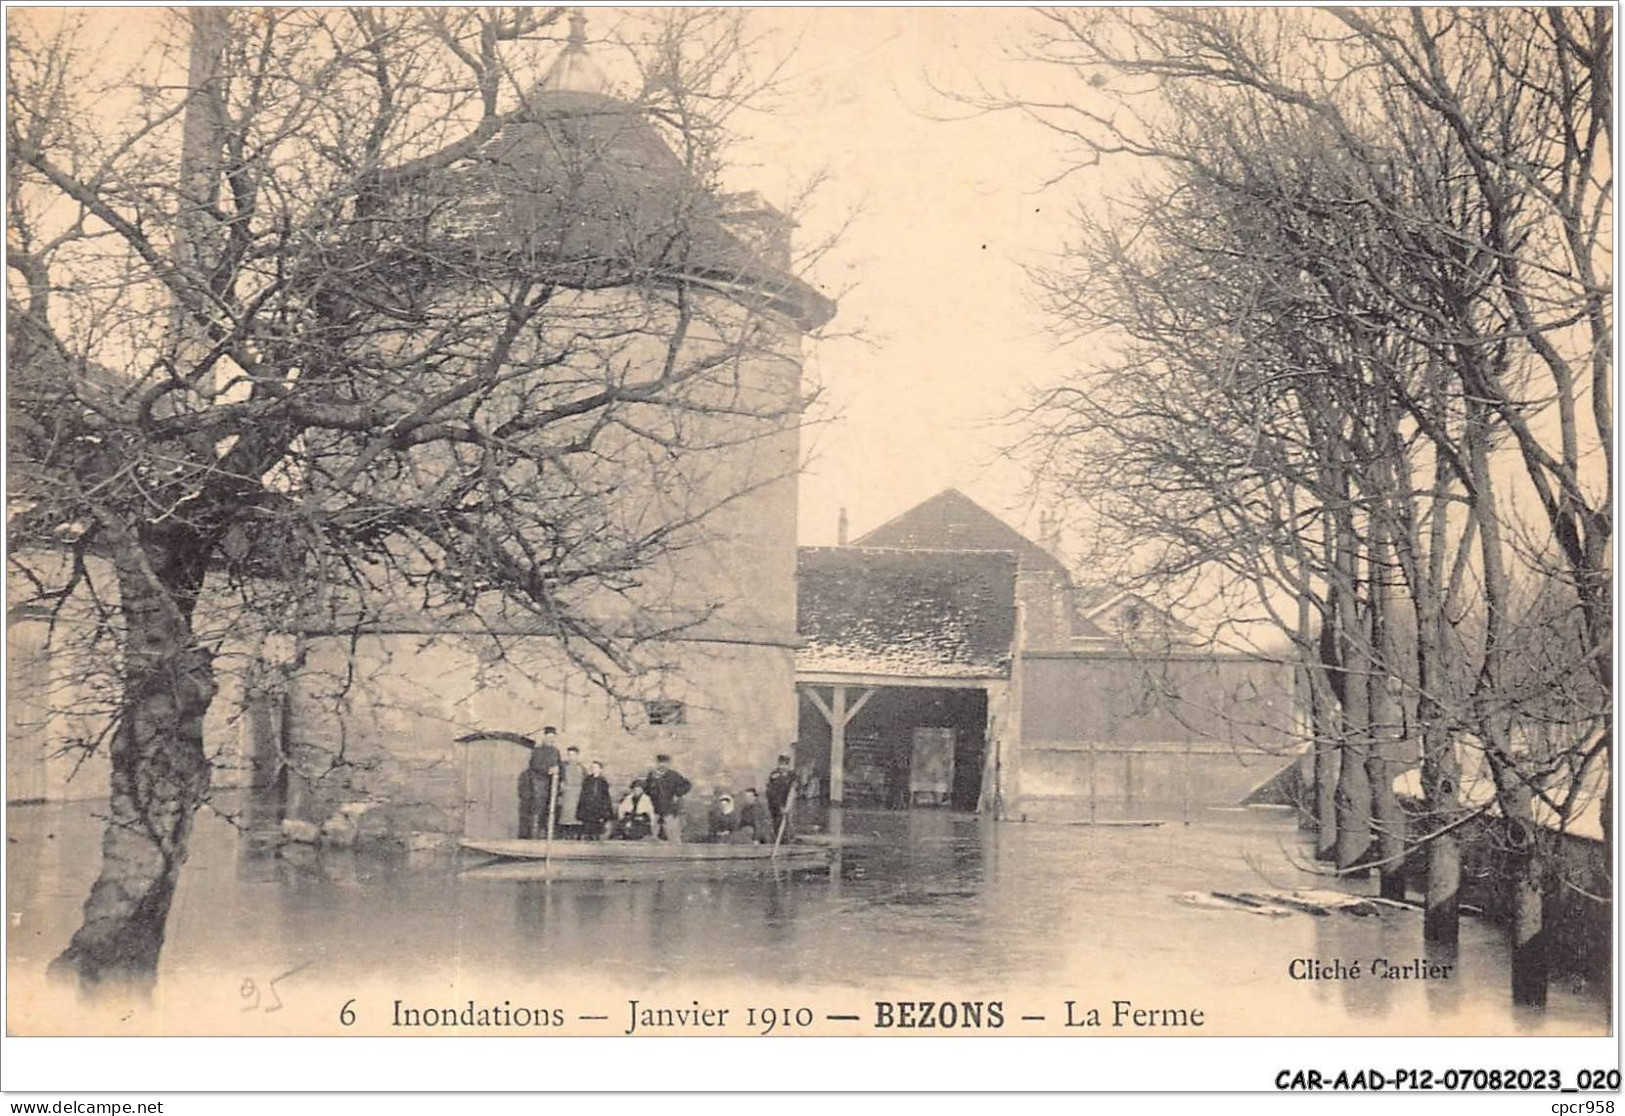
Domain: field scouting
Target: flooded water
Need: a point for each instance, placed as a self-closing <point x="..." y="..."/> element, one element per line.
<point x="933" y="904"/>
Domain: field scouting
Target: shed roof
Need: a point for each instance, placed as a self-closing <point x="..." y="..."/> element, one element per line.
<point x="914" y="613"/>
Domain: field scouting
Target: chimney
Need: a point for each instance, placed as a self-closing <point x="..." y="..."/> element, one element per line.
<point x="840" y="529"/>
<point x="1049" y="532"/>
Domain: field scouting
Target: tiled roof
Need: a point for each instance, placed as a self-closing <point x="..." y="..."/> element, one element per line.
<point x="916" y="613"/>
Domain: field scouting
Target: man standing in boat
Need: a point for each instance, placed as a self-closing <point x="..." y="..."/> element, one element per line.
<point x="666" y="786"/>
<point x="781" y="784"/>
<point x="536" y="786"/>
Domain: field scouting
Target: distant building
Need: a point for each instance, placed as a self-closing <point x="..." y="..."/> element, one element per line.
<point x="947" y="633"/>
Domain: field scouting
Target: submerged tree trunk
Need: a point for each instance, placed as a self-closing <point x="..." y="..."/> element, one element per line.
<point x="1354" y="806"/>
<point x="160" y="772"/>
<point x="1530" y="968"/>
<point x="1318" y="807"/>
<point x="1353" y="797"/>
<point x="1386" y="724"/>
<point x="1387" y="819"/>
<point x="1441" y="916"/>
<point x="1325" y="790"/>
<point x="1531" y="959"/>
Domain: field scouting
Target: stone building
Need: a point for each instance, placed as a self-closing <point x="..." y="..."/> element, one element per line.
<point x="580" y="189"/>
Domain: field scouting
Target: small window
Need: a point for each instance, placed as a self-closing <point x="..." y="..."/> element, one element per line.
<point x="665" y="712"/>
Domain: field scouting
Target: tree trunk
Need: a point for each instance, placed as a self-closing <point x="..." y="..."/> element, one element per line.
<point x="1325" y="799"/>
<point x="1319" y="812"/>
<point x="1531" y="963"/>
<point x="160" y="774"/>
<point x="1388" y="820"/>
<point x="1441" y="766"/>
<point x="1441" y="914"/>
<point x="1354" y="807"/>
<point x="1322" y="719"/>
<point x="1354" y="831"/>
<point x="1386" y="728"/>
<point x="1512" y="788"/>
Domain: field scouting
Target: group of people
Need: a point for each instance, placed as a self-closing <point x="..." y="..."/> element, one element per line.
<point x="652" y="807"/>
<point x="750" y="821"/>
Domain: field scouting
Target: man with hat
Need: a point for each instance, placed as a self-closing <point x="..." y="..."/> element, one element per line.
<point x="536" y="786"/>
<point x="781" y="784"/>
<point x="666" y="786"/>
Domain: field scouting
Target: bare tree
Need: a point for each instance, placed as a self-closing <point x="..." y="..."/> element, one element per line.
<point x="1361" y="307"/>
<point x="320" y="314"/>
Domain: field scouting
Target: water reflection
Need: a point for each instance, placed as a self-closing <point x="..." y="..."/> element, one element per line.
<point x="922" y="900"/>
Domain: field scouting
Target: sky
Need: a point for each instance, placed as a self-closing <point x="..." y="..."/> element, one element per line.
<point x="947" y="214"/>
<point x="944" y="214"/>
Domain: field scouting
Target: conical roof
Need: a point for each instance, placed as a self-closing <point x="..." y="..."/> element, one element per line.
<point x="580" y="187"/>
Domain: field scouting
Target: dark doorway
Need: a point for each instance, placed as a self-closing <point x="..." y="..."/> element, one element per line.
<point x="909" y="746"/>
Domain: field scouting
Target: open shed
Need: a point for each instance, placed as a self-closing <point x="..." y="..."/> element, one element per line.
<point x="905" y="674"/>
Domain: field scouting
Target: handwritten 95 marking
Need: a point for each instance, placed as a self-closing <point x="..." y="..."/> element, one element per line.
<point x="255" y="1000"/>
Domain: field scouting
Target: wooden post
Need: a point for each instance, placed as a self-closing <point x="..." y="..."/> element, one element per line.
<point x="990" y="798"/>
<point x="1186" y="795"/>
<point x="837" y="745"/>
<point x="784" y="820"/>
<point x="837" y="714"/>
<point x="1094" y="787"/>
<point x="552" y="807"/>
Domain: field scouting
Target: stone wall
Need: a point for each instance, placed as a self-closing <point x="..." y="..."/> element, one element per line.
<point x="372" y="726"/>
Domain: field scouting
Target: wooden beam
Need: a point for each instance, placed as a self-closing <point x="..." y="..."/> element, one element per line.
<point x="852" y="710"/>
<point x="818" y="704"/>
<point x="837" y="745"/>
<point x="831" y="678"/>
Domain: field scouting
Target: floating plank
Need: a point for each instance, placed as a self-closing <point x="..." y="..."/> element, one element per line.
<point x="1319" y="910"/>
<point x="1212" y="902"/>
<point x="1361" y="905"/>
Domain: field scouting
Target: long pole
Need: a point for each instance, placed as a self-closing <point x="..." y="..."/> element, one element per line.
<point x="784" y="818"/>
<point x="552" y="804"/>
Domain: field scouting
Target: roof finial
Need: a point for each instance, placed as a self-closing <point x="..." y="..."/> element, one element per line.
<point x="574" y="71"/>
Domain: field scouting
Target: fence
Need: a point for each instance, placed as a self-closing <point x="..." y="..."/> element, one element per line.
<point x="1110" y="780"/>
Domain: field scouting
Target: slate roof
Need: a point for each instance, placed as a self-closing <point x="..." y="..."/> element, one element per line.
<point x="916" y="613"/>
<point x="950" y="520"/>
<point x="579" y="187"/>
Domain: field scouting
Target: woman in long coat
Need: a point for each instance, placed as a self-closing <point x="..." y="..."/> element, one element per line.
<point x="572" y="774"/>
<point x="595" y="810"/>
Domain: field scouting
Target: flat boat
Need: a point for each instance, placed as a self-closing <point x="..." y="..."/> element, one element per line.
<point x="661" y="852"/>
